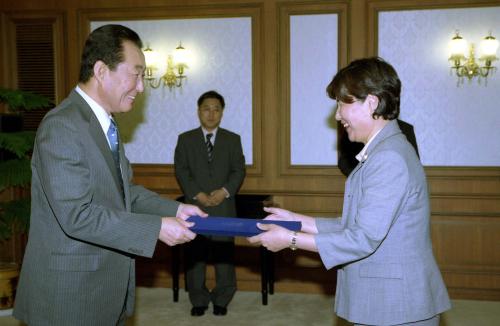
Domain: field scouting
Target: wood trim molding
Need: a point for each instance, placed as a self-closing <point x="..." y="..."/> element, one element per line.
<point x="254" y="11"/>
<point x="463" y="172"/>
<point x="374" y="7"/>
<point x="285" y="10"/>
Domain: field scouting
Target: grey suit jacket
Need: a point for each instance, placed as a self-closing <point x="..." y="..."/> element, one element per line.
<point x="194" y="173"/>
<point x="387" y="272"/>
<point x="79" y="264"/>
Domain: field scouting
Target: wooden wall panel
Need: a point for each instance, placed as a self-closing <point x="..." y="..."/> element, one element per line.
<point x="465" y="202"/>
<point x="312" y="204"/>
<point x="467" y="249"/>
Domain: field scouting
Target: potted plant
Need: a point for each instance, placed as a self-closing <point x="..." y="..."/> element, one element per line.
<point x="15" y="175"/>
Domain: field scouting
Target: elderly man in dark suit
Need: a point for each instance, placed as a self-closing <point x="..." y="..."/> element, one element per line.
<point x="88" y="220"/>
<point x="210" y="168"/>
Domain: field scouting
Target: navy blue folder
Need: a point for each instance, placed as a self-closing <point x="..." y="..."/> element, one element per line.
<point x="234" y="226"/>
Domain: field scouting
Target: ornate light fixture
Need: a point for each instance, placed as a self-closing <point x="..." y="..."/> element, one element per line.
<point x="467" y="66"/>
<point x="174" y="75"/>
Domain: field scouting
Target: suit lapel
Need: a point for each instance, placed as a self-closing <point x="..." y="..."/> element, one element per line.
<point x="125" y="166"/>
<point x="389" y="130"/>
<point x="220" y="144"/>
<point x="97" y="134"/>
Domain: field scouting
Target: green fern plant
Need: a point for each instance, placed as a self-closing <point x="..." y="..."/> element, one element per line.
<point x="16" y="170"/>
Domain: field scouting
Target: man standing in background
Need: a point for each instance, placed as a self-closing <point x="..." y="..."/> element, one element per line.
<point x="210" y="168"/>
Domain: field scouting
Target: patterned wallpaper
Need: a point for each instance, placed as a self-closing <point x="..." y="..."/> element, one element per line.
<point x="313" y="62"/>
<point x="221" y="59"/>
<point x="454" y="125"/>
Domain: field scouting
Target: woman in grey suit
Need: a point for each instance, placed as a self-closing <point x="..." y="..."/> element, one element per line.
<point x="387" y="274"/>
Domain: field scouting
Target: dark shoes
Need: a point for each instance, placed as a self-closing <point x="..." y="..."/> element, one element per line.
<point x="198" y="311"/>
<point x="220" y="311"/>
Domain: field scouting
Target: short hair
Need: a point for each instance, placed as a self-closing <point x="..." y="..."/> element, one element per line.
<point x="367" y="76"/>
<point x="105" y="44"/>
<point x="211" y="94"/>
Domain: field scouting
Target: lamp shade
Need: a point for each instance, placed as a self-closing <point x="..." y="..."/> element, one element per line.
<point x="181" y="56"/>
<point x="458" y="46"/>
<point x="489" y="46"/>
<point x="151" y="57"/>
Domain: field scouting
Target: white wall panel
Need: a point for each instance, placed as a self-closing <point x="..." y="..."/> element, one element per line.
<point x="313" y="62"/>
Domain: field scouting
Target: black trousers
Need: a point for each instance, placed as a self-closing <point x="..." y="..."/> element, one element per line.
<point x="219" y="251"/>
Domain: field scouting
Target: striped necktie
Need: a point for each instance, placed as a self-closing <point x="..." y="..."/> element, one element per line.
<point x="114" y="143"/>
<point x="210" y="147"/>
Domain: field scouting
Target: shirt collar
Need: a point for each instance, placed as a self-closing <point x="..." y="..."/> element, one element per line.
<point x="102" y="116"/>
<point x="362" y="156"/>
<point x="213" y="132"/>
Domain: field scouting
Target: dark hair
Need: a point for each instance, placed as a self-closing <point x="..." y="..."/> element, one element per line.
<point x="105" y="44"/>
<point x="211" y="94"/>
<point x="368" y="76"/>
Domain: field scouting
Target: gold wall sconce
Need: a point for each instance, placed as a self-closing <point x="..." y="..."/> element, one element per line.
<point x="467" y="66"/>
<point x="176" y="64"/>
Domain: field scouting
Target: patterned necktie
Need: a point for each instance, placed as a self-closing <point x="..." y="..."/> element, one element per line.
<point x="113" y="142"/>
<point x="210" y="147"/>
<point x="115" y="148"/>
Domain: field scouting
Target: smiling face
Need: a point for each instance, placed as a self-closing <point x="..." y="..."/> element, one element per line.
<point x="210" y="113"/>
<point x="119" y="87"/>
<point x="357" y="119"/>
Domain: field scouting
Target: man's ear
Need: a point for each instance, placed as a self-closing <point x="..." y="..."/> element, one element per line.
<point x="372" y="102"/>
<point x="100" y="70"/>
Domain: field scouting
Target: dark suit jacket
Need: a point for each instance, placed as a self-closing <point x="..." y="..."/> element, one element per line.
<point x="79" y="266"/>
<point x="195" y="174"/>
<point x="348" y="150"/>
